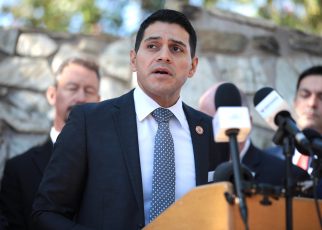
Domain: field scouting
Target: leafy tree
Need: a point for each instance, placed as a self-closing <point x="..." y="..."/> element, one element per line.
<point x="305" y="15"/>
<point x="59" y="15"/>
<point x="95" y="16"/>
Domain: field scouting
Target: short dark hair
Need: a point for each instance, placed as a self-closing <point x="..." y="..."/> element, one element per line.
<point x="314" y="70"/>
<point x="169" y="16"/>
<point x="88" y="64"/>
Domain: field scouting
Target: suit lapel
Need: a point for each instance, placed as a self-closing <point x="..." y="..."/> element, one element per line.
<point x="125" y="120"/>
<point x="251" y="158"/>
<point x="41" y="155"/>
<point x="200" y="143"/>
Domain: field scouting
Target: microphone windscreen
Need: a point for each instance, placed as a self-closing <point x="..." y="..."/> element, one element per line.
<point x="315" y="139"/>
<point x="261" y="94"/>
<point x="270" y="106"/>
<point x="227" y="95"/>
<point x="225" y="172"/>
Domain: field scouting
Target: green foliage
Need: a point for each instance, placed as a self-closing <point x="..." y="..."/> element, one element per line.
<point x="150" y="5"/>
<point x="305" y="15"/>
<point x="56" y="15"/>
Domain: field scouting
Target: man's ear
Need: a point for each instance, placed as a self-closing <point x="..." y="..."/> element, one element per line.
<point x="193" y="68"/>
<point x="51" y="95"/>
<point x="133" y="60"/>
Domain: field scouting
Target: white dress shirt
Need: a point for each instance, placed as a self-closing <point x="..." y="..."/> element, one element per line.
<point x="245" y="149"/>
<point x="53" y="134"/>
<point x="184" y="157"/>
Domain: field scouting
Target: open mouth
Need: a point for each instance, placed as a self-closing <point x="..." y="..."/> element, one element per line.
<point x="162" y="71"/>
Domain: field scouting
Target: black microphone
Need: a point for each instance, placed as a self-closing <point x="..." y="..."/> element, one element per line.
<point x="230" y="115"/>
<point x="227" y="94"/>
<point x="315" y="139"/>
<point x="272" y="107"/>
<point x="224" y="172"/>
<point x="228" y="124"/>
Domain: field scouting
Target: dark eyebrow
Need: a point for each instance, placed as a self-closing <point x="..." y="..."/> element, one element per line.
<point x="305" y="90"/>
<point x="178" y="42"/>
<point x="151" y="39"/>
<point x="173" y="40"/>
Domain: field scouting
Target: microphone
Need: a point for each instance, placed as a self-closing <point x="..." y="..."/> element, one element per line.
<point x="224" y="172"/>
<point x="273" y="108"/>
<point x="230" y="122"/>
<point x="230" y="114"/>
<point x="315" y="139"/>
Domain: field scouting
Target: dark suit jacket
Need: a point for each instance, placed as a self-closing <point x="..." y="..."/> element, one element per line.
<point x="3" y="222"/>
<point x="270" y="169"/>
<point x="95" y="168"/>
<point x="21" y="178"/>
<point x="278" y="151"/>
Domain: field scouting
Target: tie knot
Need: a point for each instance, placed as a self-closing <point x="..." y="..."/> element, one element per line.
<point x="162" y="115"/>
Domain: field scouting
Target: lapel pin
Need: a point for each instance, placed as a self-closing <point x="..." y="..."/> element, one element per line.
<point x="199" y="129"/>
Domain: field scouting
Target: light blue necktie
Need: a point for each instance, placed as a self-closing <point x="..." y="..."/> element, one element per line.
<point x="163" y="181"/>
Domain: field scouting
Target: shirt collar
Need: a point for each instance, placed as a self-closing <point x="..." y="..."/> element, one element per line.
<point x="53" y="134"/>
<point x="141" y="98"/>
<point x="245" y="148"/>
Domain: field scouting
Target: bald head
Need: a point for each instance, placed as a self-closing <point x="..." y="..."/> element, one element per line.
<point x="207" y="103"/>
<point x="207" y="100"/>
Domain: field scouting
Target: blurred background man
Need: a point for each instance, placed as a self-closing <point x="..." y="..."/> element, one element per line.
<point x="77" y="82"/>
<point x="308" y="111"/>
<point x="266" y="168"/>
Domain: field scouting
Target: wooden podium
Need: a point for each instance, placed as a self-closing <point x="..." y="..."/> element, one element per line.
<point x="206" y="207"/>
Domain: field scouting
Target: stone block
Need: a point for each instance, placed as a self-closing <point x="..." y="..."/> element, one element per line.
<point x="36" y="45"/>
<point x="8" y="40"/>
<point x="223" y="42"/>
<point x="24" y="121"/>
<point x="25" y="73"/>
<point x="115" y="59"/>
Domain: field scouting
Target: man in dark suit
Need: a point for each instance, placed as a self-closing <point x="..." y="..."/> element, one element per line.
<point x="100" y="174"/>
<point x="266" y="168"/>
<point x="308" y="110"/>
<point x="269" y="169"/>
<point x="3" y="222"/>
<point x="77" y="82"/>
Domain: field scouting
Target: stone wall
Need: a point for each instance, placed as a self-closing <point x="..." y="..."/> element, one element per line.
<point x="248" y="52"/>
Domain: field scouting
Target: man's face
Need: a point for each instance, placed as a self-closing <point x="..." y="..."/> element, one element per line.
<point x="308" y="103"/>
<point x="75" y="85"/>
<point x="163" y="62"/>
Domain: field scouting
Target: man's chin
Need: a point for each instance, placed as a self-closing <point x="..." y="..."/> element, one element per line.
<point x="309" y="125"/>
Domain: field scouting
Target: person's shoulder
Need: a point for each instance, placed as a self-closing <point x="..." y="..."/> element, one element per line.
<point x="108" y="103"/>
<point x="273" y="149"/>
<point x="267" y="156"/>
<point x="22" y="159"/>
<point x="276" y="151"/>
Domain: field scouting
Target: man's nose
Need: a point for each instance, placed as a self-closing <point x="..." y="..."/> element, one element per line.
<point x="164" y="55"/>
<point x="80" y="96"/>
<point x="313" y="100"/>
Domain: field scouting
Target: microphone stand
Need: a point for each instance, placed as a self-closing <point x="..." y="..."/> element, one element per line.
<point x="281" y="138"/>
<point x="233" y="144"/>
